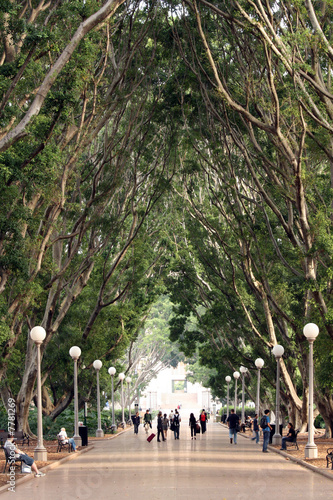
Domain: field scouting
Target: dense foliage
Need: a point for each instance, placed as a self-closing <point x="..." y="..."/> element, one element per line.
<point x="185" y="145"/>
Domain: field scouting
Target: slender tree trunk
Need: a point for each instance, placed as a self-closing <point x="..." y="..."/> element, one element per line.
<point x="325" y="407"/>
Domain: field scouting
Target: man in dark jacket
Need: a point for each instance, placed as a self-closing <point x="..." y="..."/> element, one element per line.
<point x="160" y="427"/>
<point x="147" y="418"/>
<point x="136" y="422"/>
<point x="233" y="422"/>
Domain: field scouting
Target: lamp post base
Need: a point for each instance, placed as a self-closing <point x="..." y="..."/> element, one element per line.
<point x="40" y="454"/>
<point x="311" y="451"/>
<point x="77" y="440"/>
<point x="99" y="433"/>
<point x="113" y="428"/>
<point x="277" y="439"/>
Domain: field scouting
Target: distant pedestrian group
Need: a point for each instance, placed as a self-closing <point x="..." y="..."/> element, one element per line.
<point x="172" y="422"/>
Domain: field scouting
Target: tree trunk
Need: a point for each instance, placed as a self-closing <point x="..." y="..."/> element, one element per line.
<point x="25" y="393"/>
<point x="325" y="407"/>
<point x="47" y="405"/>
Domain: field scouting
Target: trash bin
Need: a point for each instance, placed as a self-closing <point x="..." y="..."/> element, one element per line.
<point x="83" y="431"/>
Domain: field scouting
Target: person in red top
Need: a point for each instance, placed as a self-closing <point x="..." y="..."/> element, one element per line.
<point x="203" y="420"/>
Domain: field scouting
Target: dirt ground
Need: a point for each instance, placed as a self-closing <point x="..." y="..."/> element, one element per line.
<point x="322" y="445"/>
<point x="302" y="439"/>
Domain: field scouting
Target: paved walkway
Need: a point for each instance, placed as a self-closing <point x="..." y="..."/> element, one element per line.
<point x="128" y="467"/>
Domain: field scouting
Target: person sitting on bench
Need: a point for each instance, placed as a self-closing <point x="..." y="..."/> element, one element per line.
<point x="64" y="439"/>
<point x="12" y="449"/>
<point x="289" y="437"/>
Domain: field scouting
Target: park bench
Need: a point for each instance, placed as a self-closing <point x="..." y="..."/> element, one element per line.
<point x="62" y="445"/>
<point x="329" y="457"/>
<point x="294" y="442"/>
<point x="9" y="458"/>
<point x="20" y="437"/>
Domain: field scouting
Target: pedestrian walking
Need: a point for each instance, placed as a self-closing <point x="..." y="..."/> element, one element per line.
<point x="255" y="428"/>
<point x="136" y="422"/>
<point x="147" y="418"/>
<point x="159" y="427"/>
<point x="203" y="421"/>
<point x="233" y="424"/>
<point x="165" y="425"/>
<point x="193" y="425"/>
<point x="176" y="424"/>
<point x="266" y="428"/>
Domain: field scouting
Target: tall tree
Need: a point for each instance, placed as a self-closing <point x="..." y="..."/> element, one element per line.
<point x="263" y="94"/>
<point x="109" y="159"/>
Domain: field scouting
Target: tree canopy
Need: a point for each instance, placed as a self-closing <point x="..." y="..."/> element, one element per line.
<point x="166" y="146"/>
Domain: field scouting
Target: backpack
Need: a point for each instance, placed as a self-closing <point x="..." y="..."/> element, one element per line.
<point x="263" y="422"/>
<point x="176" y="420"/>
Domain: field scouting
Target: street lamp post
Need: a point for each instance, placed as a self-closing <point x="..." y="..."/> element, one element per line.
<point x="278" y="351"/>
<point x="236" y="376"/>
<point x="75" y="353"/>
<point x="129" y="380"/>
<point x="137" y="405"/>
<point x="121" y="377"/>
<point x="38" y="334"/>
<point x="259" y="364"/>
<point x="112" y="372"/>
<point x="97" y="364"/>
<point x="228" y="380"/>
<point x="243" y="370"/>
<point x="311" y="332"/>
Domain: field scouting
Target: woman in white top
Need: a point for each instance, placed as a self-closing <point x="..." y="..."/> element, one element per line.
<point x="62" y="436"/>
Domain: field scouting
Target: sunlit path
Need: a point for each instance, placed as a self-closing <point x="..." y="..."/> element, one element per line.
<point x="208" y="468"/>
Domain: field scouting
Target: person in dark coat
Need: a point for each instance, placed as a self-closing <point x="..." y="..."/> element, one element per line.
<point x="233" y="422"/>
<point x="160" y="427"/>
<point x="193" y="425"/>
<point x="165" y="425"/>
<point x="255" y="427"/>
<point x="147" y="418"/>
<point x="176" y="424"/>
<point x="136" y="422"/>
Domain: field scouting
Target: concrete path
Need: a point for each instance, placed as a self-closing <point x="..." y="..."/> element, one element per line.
<point x="128" y="467"/>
